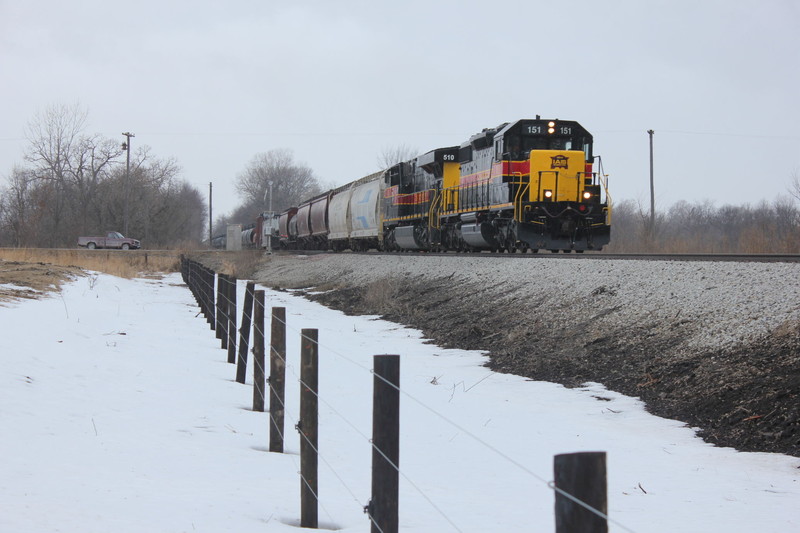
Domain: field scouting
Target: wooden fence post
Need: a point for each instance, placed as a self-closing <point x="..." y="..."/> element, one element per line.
<point x="277" y="379"/>
<point x="188" y="277"/>
<point x="208" y="290"/>
<point x="258" y="352"/>
<point x="583" y="475"/>
<point x="232" y="319"/>
<point x="244" y="332"/>
<point x="383" y="507"/>
<point x="307" y="426"/>
<point x="222" y="320"/>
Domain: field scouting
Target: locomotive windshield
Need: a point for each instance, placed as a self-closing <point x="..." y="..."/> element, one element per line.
<point x="519" y="147"/>
<point x="540" y="135"/>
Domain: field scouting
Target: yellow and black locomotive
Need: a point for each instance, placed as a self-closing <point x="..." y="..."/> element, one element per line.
<point x="524" y="185"/>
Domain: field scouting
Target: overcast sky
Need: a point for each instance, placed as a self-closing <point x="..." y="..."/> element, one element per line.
<point x="214" y="83"/>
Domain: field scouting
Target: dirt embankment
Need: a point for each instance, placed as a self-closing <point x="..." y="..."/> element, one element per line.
<point x="707" y="344"/>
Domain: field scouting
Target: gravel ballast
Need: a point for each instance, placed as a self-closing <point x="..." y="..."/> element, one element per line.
<point x="714" y="344"/>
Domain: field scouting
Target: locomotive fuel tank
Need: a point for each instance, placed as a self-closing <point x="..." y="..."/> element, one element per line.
<point x="409" y="238"/>
<point x="480" y="235"/>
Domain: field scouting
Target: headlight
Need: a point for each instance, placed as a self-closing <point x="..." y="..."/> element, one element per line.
<point x="548" y="193"/>
<point x="551" y="127"/>
<point x="587" y="195"/>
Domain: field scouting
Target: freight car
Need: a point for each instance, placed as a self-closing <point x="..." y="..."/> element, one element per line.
<point x="525" y="185"/>
<point x="260" y="234"/>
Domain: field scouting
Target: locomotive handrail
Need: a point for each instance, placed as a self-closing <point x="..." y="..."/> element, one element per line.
<point x="520" y="196"/>
<point x="603" y="179"/>
<point x="434" y="213"/>
<point x="448" y="198"/>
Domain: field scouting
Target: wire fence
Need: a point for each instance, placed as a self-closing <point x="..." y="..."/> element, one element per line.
<point x="578" y="507"/>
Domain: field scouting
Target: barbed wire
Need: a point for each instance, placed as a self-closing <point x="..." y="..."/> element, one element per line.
<point x="550" y="484"/>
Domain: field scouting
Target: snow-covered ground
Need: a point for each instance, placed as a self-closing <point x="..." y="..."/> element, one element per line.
<point x="119" y="413"/>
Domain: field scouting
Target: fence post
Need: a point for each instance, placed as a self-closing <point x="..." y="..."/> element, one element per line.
<point x="383" y="507"/>
<point x="184" y="265"/>
<point x="583" y="475"/>
<point x="244" y="332"/>
<point x="188" y="279"/>
<point x="208" y="290"/>
<point x="307" y="426"/>
<point x="232" y="319"/>
<point x="258" y="352"/>
<point x="222" y="320"/>
<point x="277" y="379"/>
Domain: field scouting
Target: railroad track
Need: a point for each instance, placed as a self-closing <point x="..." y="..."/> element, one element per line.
<point x="739" y="258"/>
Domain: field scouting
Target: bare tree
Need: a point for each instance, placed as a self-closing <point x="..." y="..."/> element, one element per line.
<point x="15" y="207"/>
<point x="54" y="137"/>
<point x="92" y="164"/>
<point x="390" y="156"/>
<point x="52" y="134"/>
<point x="73" y="184"/>
<point x="291" y="182"/>
<point x="794" y="185"/>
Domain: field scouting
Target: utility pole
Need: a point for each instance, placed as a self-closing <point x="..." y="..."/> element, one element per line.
<point x="210" y="230"/>
<point x="652" y="190"/>
<point x="127" y="147"/>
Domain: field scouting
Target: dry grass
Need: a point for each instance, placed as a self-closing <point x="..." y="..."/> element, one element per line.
<point x="125" y="264"/>
<point x="20" y="280"/>
<point x="242" y="264"/>
<point x="384" y="293"/>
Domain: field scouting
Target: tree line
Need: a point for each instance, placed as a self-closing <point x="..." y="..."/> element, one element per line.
<point x="702" y="227"/>
<point x="73" y="184"/>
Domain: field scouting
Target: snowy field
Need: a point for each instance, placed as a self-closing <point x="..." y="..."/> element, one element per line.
<point x="119" y="413"/>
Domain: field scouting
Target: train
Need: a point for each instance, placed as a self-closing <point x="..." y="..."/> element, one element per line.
<point x="527" y="185"/>
<point x="259" y="234"/>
